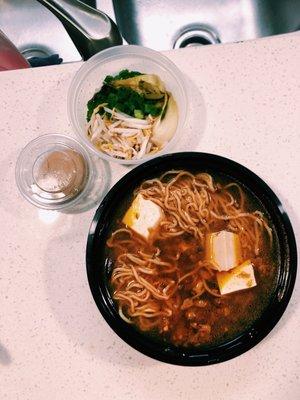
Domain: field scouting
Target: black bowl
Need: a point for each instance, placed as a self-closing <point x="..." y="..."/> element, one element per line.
<point x="98" y="269"/>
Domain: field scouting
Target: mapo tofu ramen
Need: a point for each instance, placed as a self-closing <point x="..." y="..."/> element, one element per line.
<point x="194" y="259"/>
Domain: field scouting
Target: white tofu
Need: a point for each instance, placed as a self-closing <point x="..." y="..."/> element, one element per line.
<point x="223" y="250"/>
<point x="143" y="215"/>
<point x="239" y="278"/>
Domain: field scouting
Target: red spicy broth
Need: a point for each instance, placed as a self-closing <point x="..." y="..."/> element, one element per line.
<point x="158" y="284"/>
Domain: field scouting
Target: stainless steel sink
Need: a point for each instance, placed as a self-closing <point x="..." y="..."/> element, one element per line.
<point x="159" y="24"/>
<point x="167" y="24"/>
<point x="35" y="31"/>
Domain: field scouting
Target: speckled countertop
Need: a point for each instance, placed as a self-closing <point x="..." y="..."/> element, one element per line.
<point x="245" y="105"/>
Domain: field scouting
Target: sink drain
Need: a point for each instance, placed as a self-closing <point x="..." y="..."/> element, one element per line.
<point x="39" y="57"/>
<point x="196" y="36"/>
<point x="32" y="52"/>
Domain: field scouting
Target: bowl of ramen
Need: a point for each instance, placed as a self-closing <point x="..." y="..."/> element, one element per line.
<point x="191" y="259"/>
<point x="128" y="104"/>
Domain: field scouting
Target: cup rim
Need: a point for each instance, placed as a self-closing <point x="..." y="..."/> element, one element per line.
<point x="115" y="53"/>
<point x="56" y="138"/>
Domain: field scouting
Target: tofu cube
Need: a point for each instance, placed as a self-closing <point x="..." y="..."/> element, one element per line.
<point x="143" y="215"/>
<point x="223" y="250"/>
<point x="239" y="278"/>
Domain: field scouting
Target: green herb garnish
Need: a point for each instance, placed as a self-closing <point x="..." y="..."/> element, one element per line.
<point x="124" y="98"/>
<point x="124" y="74"/>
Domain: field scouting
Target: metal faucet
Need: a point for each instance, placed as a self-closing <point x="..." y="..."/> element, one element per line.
<point x="91" y="30"/>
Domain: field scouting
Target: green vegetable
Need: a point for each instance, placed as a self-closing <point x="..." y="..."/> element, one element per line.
<point x="153" y="109"/>
<point x="124" y="74"/>
<point x="165" y="125"/>
<point x="138" y="114"/>
<point x="124" y="98"/>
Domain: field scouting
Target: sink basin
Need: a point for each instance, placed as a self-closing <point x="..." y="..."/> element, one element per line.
<point x="158" y="24"/>
<point x="35" y="31"/>
<point x="167" y="24"/>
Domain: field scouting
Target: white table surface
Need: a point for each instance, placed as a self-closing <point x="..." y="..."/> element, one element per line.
<point x="54" y="344"/>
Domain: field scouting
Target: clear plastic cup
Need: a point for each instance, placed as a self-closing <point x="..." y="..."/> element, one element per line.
<point x="55" y="172"/>
<point x="90" y="76"/>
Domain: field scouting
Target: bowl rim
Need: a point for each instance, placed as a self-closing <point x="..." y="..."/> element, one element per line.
<point x="119" y="52"/>
<point x="228" y="350"/>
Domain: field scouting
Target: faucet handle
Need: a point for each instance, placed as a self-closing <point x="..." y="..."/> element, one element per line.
<point x="91" y="30"/>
